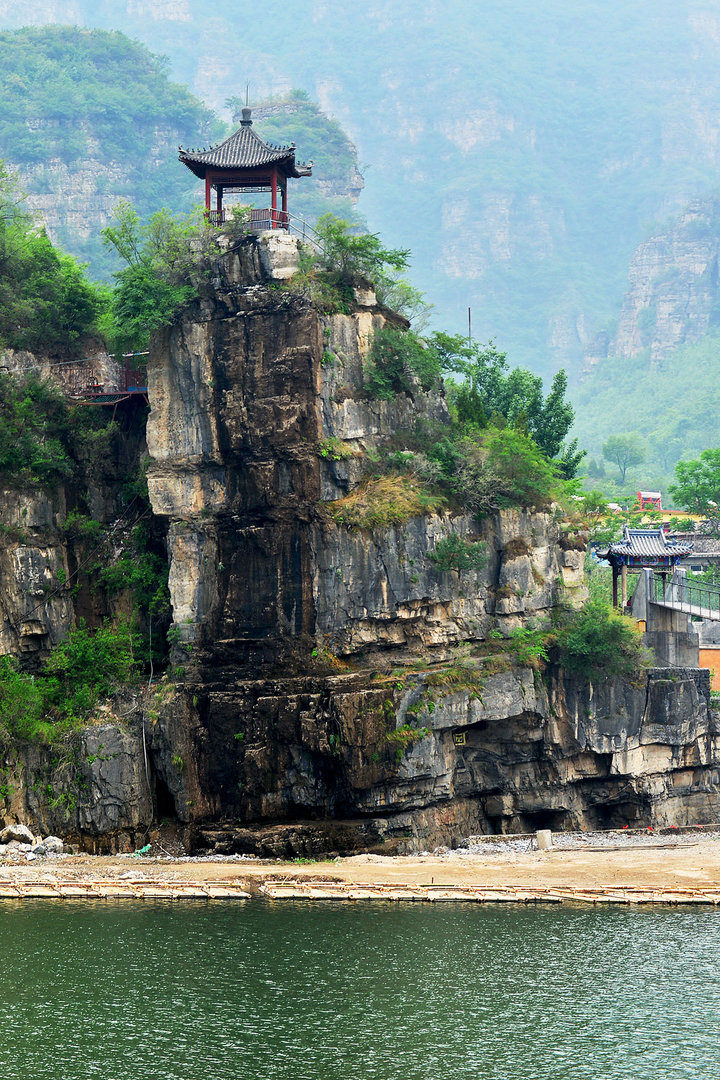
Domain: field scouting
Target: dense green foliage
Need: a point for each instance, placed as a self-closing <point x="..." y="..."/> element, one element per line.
<point x="82" y="671"/>
<point x="489" y="389"/>
<point x="698" y="484"/>
<point x="46" y="302"/>
<point x="597" y="641"/>
<point x="502" y="467"/>
<point x="164" y="259"/>
<point x="43" y="439"/>
<point x="33" y="432"/>
<point x="505" y="446"/>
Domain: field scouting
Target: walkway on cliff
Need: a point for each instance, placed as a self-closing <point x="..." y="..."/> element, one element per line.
<point x="694" y="598"/>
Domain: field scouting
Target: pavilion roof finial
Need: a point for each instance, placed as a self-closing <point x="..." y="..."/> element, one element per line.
<point x="246" y="117"/>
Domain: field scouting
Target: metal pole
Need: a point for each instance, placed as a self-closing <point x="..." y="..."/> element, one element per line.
<point x="469" y="327"/>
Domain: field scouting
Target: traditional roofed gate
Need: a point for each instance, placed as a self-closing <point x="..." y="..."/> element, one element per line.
<point x="642" y="549"/>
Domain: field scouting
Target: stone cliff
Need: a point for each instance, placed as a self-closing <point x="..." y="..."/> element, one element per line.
<point x="330" y="687"/>
<point x="673" y="290"/>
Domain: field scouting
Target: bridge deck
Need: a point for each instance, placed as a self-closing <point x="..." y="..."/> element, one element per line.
<point x="699" y="610"/>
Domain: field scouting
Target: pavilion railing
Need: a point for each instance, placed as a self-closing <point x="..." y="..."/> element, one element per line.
<point x="683" y="595"/>
<point x="260" y="218"/>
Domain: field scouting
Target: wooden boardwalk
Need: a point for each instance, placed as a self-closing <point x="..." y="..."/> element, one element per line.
<point x="121" y="889"/>
<point x="484" y="894"/>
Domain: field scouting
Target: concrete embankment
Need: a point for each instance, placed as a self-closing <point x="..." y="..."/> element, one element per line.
<point x="608" y="867"/>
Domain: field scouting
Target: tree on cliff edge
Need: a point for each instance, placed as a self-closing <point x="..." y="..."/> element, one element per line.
<point x="698" y="486"/>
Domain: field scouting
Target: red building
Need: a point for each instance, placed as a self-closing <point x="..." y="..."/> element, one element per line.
<point x="649" y="500"/>
<point x="245" y="162"/>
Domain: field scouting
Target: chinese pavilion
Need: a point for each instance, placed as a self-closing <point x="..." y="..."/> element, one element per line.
<point x="642" y="549"/>
<point x="245" y="162"/>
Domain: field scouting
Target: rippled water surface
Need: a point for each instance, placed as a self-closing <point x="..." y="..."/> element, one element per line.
<point x="347" y="992"/>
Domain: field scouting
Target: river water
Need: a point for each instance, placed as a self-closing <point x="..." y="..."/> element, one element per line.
<point x="334" y="991"/>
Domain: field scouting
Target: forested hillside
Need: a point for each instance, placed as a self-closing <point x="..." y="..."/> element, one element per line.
<point x="521" y="151"/>
<point x="88" y="118"/>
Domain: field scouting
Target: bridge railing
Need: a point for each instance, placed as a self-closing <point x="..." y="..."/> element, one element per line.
<point x="684" y="595"/>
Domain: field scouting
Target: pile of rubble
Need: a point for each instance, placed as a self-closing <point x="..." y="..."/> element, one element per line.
<point x="18" y="842"/>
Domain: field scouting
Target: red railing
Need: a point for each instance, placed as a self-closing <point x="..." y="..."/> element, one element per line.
<point x="260" y="219"/>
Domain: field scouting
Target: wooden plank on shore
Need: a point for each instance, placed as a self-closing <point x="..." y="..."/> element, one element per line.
<point x="308" y="890"/>
<point x="120" y="890"/>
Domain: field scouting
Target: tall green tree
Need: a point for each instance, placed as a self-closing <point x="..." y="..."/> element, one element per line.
<point x="625" y="451"/>
<point x="489" y="388"/>
<point x="698" y="484"/>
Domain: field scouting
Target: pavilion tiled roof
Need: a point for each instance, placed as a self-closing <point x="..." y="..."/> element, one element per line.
<point x="244" y="149"/>
<point x="646" y="543"/>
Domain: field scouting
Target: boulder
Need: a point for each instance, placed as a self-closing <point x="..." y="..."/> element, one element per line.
<point x="19" y="833"/>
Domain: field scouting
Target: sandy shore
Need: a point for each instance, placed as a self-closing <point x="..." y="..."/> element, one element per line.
<point x="686" y="865"/>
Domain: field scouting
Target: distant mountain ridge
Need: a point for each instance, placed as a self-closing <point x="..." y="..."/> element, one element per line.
<point x="656" y="375"/>
<point x="521" y="151"/>
<point x="88" y="118"/>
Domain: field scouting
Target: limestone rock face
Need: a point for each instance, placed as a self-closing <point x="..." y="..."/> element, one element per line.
<point x="33" y="559"/>
<point x="244" y="391"/>
<point x="331" y="688"/>
<point x="672" y="294"/>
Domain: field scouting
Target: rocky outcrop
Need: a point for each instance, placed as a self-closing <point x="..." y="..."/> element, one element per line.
<point x="248" y="393"/>
<point x="331" y="688"/>
<point x="673" y="292"/>
<point x="263" y="581"/>
<point x="512" y="754"/>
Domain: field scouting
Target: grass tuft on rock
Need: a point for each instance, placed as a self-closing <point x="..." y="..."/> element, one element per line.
<point x="385" y="500"/>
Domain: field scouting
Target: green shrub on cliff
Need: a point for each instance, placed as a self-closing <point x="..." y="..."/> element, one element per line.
<point x="597" y="641"/>
<point x="454" y="552"/>
<point x="21" y="702"/>
<point x="164" y="261"/>
<point x="85" y="669"/>
<point x="33" y="432"/>
<point x="345" y="257"/>
<point x="397" y="358"/>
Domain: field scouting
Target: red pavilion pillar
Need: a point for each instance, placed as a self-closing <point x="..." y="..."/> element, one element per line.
<point x="208" y="193"/>
<point x="273" y="188"/>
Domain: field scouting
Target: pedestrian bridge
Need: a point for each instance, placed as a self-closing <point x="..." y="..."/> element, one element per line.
<point x="679" y="594"/>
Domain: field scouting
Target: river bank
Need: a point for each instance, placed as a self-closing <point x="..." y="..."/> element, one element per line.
<point x="684" y="867"/>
